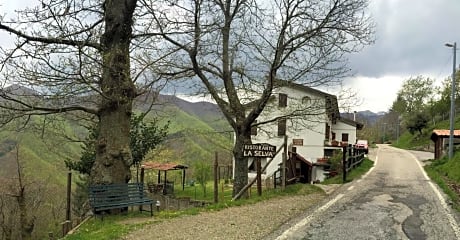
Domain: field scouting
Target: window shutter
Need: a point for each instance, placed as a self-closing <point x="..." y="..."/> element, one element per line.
<point x="282" y="127"/>
<point x="282" y="100"/>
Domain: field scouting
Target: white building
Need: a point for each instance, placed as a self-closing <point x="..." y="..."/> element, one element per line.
<point x="311" y="121"/>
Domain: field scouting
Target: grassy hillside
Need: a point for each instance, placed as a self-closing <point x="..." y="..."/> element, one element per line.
<point x="191" y="139"/>
<point x="42" y="152"/>
<point x="422" y="141"/>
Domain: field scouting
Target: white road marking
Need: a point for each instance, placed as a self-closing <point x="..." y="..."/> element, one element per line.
<point x="372" y="168"/>
<point x="286" y="234"/>
<point x="441" y="199"/>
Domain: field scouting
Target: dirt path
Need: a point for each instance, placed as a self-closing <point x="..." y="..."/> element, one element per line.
<point x="245" y="222"/>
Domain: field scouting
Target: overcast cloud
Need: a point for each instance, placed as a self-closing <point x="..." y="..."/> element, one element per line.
<point x="410" y="38"/>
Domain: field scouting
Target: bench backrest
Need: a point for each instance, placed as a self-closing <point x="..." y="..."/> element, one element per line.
<point x="100" y="195"/>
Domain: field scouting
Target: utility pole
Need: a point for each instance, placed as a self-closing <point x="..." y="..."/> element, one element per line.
<point x="452" y="102"/>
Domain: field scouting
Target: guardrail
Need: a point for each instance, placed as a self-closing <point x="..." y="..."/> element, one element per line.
<point x="352" y="157"/>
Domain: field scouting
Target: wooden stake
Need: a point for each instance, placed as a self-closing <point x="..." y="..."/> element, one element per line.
<point x="259" y="176"/>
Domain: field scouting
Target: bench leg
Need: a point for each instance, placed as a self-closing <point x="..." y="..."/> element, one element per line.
<point x="151" y="209"/>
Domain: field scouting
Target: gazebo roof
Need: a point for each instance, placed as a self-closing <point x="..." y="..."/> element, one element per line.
<point x="163" y="166"/>
<point x="443" y="133"/>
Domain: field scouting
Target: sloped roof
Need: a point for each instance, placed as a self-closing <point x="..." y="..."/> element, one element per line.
<point x="443" y="133"/>
<point x="350" y="122"/>
<point x="301" y="158"/>
<point x="163" y="166"/>
<point x="332" y="105"/>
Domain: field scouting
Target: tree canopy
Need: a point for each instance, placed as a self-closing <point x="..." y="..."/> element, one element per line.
<point x="97" y="56"/>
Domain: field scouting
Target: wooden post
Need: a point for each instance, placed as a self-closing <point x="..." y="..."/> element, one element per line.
<point x="183" y="179"/>
<point x="68" y="207"/>
<point x="222" y="192"/>
<point x="259" y="176"/>
<point x="142" y="175"/>
<point x="216" y="184"/>
<point x="283" y="165"/>
<point x="350" y="156"/>
<point x="344" y="164"/>
<point x="142" y="181"/>
<point x="164" y="184"/>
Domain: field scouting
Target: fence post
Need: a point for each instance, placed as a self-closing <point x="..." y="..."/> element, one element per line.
<point x="216" y="184"/>
<point x="350" y="156"/>
<point x="259" y="175"/>
<point x="344" y="164"/>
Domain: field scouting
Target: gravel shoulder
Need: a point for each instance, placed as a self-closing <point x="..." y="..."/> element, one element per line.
<point x="254" y="221"/>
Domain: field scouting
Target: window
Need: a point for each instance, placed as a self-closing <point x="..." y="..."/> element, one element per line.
<point x="282" y="127"/>
<point x="306" y="100"/>
<point x="344" y="137"/>
<point x="333" y="135"/>
<point x="254" y="129"/>
<point x="282" y="100"/>
<point x="328" y="129"/>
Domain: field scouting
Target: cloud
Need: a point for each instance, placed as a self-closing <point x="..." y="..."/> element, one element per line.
<point x="410" y="38"/>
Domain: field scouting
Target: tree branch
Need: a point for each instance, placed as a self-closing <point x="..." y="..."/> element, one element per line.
<point x="59" y="41"/>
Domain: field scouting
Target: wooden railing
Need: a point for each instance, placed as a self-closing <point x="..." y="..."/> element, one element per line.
<point x="352" y="157"/>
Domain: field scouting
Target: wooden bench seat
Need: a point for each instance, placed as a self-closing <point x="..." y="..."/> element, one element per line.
<point x="114" y="196"/>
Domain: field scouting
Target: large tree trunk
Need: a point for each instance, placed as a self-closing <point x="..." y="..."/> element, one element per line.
<point x="240" y="179"/>
<point x="113" y="154"/>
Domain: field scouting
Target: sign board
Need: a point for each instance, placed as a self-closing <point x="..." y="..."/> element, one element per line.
<point x="297" y="142"/>
<point x="259" y="150"/>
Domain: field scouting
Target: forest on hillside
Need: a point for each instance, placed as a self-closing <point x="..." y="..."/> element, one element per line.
<point x="421" y="105"/>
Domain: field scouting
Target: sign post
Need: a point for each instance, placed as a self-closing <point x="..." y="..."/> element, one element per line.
<point x="258" y="151"/>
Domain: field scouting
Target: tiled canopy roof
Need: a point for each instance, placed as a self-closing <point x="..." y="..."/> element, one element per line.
<point x="163" y="166"/>
<point x="443" y="133"/>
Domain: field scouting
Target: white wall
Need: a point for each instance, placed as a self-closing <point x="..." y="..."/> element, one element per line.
<point x="340" y="127"/>
<point x="309" y="128"/>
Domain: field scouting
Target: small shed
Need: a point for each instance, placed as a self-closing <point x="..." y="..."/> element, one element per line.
<point x="438" y="136"/>
<point x="163" y="167"/>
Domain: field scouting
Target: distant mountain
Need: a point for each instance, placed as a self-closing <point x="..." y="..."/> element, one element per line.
<point x="366" y="117"/>
<point x="207" y="112"/>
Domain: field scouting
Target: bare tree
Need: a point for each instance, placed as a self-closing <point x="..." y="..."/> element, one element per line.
<point x="20" y="201"/>
<point x="238" y="49"/>
<point x="80" y="58"/>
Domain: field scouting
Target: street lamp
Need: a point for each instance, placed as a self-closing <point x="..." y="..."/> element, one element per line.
<point x="452" y="103"/>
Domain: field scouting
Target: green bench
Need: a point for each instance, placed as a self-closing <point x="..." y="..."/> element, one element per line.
<point x="114" y="196"/>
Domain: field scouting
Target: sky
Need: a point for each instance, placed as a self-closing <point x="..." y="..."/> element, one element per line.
<point x="410" y="39"/>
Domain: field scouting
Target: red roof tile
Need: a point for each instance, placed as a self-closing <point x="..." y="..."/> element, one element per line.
<point x="443" y="133"/>
<point x="163" y="166"/>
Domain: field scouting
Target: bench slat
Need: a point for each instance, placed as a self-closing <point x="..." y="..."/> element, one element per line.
<point x="112" y="196"/>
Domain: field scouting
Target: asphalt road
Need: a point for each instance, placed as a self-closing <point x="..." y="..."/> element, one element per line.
<point x="395" y="200"/>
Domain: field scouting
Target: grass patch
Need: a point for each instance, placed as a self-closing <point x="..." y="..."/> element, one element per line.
<point x="353" y="174"/>
<point x="446" y="173"/>
<point x="114" y="227"/>
<point x="111" y="227"/>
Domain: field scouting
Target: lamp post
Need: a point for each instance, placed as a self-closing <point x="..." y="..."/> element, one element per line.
<point x="452" y="103"/>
